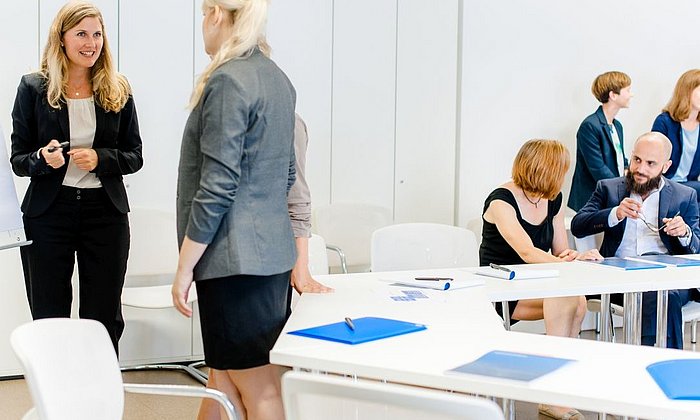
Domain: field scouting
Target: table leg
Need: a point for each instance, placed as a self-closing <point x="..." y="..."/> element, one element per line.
<point x="605" y="317"/>
<point x="633" y="318"/>
<point x="508" y="409"/>
<point x="506" y="314"/>
<point x="661" y="317"/>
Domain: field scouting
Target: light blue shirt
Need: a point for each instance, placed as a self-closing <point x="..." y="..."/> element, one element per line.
<point x="690" y="144"/>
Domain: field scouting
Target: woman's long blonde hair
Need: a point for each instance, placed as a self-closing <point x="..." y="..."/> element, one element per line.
<point x="249" y="18"/>
<point x="110" y="88"/>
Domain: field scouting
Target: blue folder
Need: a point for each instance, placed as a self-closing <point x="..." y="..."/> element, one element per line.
<point x="627" y="264"/>
<point x="509" y="365"/>
<point x="366" y="329"/>
<point x="679" y="379"/>
<point x="670" y="260"/>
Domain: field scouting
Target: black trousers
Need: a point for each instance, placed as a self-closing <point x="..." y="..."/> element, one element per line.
<point x="82" y="223"/>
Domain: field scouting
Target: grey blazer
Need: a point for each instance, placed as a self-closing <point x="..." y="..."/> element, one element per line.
<point x="236" y="168"/>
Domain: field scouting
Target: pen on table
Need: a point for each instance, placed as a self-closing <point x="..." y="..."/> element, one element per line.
<point x="63" y="145"/>
<point x="433" y="278"/>
<point x="349" y="323"/>
<point x="500" y="267"/>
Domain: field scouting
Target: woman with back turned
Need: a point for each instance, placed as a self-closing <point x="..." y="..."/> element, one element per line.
<point x="236" y="167"/>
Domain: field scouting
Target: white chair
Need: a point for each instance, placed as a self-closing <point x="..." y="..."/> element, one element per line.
<point x="691" y="313"/>
<point x="318" y="257"/>
<point x="593" y="306"/>
<point x="409" y="246"/>
<point x="313" y="396"/>
<point x="149" y="275"/>
<point x="73" y="373"/>
<point x="348" y="227"/>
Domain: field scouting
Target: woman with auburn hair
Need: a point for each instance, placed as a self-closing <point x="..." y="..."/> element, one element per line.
<point x="75" y="133"/>
<point x="524" y="223"/>
<point x="679" y="121"/>
<point x="237" y="164"/>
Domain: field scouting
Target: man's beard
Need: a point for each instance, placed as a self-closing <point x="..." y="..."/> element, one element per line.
<point x="642" y="189"/>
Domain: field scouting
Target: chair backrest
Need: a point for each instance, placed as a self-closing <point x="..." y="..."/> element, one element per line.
<point x="410" y="246"/>
<point x="71" y="369"/>
<point x="350" y="226"/>
<point x="313" y="396"/>
<point x="318" y="257"/>
<point x="154" y="250"/>
<point x="476" y="225"/>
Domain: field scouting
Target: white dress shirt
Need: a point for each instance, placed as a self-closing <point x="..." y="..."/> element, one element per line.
<point x="638" y="239"/>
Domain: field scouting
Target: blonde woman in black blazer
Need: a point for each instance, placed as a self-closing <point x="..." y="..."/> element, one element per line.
<point x="75" y="133"/>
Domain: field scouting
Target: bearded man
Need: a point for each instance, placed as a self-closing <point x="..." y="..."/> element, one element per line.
<point x="646" y="213"/>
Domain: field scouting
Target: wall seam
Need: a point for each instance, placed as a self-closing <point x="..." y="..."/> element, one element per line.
<point x="458" y="110"/>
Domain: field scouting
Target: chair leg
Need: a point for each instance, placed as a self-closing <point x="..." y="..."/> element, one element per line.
<point x="597" y="322"/>
<point x="196" y="366"/>
<point x="693" y="331"/>
<point x="193" y="372"/>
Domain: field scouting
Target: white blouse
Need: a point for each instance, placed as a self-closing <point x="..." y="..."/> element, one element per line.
<point x="81" y="117"/>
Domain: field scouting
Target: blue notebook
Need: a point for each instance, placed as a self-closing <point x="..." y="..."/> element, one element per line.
<point x="669" y="260"/>
<point x="509" y="365"/>
<point x="679" y="379"/>
<point x="627" y="264"/>
<point x="366" y="329"/>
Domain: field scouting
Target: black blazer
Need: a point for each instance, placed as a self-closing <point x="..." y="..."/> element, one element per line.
<point x="34" y="123"/>
<point x="596" y="158"/>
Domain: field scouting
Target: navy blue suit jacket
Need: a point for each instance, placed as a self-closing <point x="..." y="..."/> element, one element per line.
<point x="596" y="158"/>
<point x="672" y="129"/>
<point x="674" y="197"/>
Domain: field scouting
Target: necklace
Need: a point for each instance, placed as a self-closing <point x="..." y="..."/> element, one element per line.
<point x="82" y="90"/>
<point x="534" y="203"/>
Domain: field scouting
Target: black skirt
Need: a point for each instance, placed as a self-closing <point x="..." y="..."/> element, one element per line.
<point x="241" y="317"/>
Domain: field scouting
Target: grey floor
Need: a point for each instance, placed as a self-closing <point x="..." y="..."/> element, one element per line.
<point x="15" y="399"/>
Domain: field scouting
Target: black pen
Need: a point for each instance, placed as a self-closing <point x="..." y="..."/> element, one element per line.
<point x="500" y="267"/>
<point x="433" y="278"/>
<point x="63" y="145"/>
<point x="349" y="323"/>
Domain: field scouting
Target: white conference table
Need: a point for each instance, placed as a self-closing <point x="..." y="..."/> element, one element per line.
<point x="462" y="325"/>
<point x="584" y="278"/>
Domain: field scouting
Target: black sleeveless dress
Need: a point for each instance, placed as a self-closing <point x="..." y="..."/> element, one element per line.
<point x="495" y="249"/>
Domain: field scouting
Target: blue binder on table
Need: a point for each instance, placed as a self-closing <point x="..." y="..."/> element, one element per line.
<point x="679" y="379"/>
<point x="674" y="260"/>
<point x="626" y="264"/>
<point x="366" y="329"/>
<point x="509" y="365"/>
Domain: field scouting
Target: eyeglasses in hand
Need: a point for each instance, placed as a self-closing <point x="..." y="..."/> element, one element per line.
<point x="652" y="227"/>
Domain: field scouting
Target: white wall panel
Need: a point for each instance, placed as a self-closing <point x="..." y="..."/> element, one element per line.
<point x="156" y="55"/>
<point x="426" y="100"/>
<point x="364" y="65"/>
<point x="19" y="40"/>
<point x="301" y="35"/>
<point x="528" y="68"/>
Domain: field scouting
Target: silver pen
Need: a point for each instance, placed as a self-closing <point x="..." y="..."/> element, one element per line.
<point x="349" y="323"/>
<point x="500" y="267"/>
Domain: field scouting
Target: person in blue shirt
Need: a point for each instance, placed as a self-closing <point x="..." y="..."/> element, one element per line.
<point x="679" y="122"/>
<point x="600" y="152"/>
